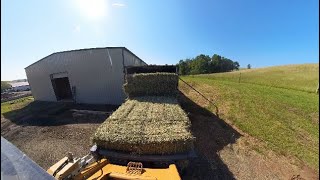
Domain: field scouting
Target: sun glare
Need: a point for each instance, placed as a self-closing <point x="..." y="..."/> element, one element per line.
<point x="93" y="9"/>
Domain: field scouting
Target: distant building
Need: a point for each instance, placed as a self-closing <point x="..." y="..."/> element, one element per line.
<point x="20" y="86"/>
<point x="91" y="76"/>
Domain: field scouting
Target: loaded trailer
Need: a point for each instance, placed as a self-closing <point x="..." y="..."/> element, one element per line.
<point x="147" y="137"/>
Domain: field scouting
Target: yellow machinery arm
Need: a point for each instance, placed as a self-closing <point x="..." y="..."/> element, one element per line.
<point x="96" y="165"/>
<point x="103" y="169"/>
<point x="111" y="171"/>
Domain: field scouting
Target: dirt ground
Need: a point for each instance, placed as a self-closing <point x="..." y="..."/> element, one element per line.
<point x="223" y="151"/>
<point x="48" y="138"/>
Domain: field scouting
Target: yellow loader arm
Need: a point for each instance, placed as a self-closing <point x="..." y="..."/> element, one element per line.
<point x="103" y="169"/>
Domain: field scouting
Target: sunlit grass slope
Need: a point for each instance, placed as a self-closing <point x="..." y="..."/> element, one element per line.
<point x="277" y="105"/>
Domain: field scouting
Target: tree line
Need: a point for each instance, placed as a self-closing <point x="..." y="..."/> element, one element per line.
<point x="203" y="64"/>
<point x="5" y="85"/>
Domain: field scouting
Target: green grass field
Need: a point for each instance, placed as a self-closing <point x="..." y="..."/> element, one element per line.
<point x="15" y="104"/>
<point x="303" y="77"/>
<point x="277" y="105"/>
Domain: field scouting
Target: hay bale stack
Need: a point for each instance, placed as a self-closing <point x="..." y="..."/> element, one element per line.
<point x="151" y="84"/>
<point x="150" y="121"/>
<point x="146" y="125"/>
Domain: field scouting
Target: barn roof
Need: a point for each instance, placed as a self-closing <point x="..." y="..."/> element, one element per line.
<point x="86" y="49"/>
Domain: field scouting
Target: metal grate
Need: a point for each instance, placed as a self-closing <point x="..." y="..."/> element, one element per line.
<point x="134" y="168"/>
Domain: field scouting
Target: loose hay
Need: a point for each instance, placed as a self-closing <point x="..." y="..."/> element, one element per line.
<point x="151" y="84"/>
<point x="146" y="125"/>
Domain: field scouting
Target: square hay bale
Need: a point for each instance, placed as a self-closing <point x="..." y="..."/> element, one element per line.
<point x="151" y="84"/>
<point x="146" y="125"/>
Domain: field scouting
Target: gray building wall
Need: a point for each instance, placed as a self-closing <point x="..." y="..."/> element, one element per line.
<point x="131" y="60"/>
<point x="97" y="80"/>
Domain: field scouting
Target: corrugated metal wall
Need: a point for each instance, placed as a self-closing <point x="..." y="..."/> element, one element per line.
<point x="131" y="60"/>
<point x="97" y="79"/>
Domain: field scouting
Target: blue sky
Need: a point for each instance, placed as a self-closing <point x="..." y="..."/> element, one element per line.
<point x="259" y="32"/>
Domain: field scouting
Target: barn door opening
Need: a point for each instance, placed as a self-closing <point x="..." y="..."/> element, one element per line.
<point x="61" y="87"/>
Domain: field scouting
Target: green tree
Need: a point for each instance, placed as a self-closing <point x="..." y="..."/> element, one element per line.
<point x="226" y="65"/>
<point x="236" y="65"/>
<point x="202" y="64"/>
<point x="5" y="85"/>
<point x="183" y="67"/>
<point x="249" y="66"/>
<point x="216" y="63"/>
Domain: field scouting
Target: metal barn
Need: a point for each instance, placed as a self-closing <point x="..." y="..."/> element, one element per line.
<point x="90" y="76"/>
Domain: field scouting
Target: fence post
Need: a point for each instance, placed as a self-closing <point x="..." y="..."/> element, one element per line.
<point x="239" y="77"/>
<point x="317" y="91"/>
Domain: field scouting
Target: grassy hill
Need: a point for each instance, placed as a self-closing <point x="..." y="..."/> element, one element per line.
<point x="303" y="77"/>
<point x="273" y="104"/>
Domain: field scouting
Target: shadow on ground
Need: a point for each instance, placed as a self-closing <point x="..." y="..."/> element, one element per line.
<point x="41" y="113"/>
<point x="212" y="135"/>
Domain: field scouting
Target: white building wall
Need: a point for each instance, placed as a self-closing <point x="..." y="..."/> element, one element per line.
<point x="97" y="79"/>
